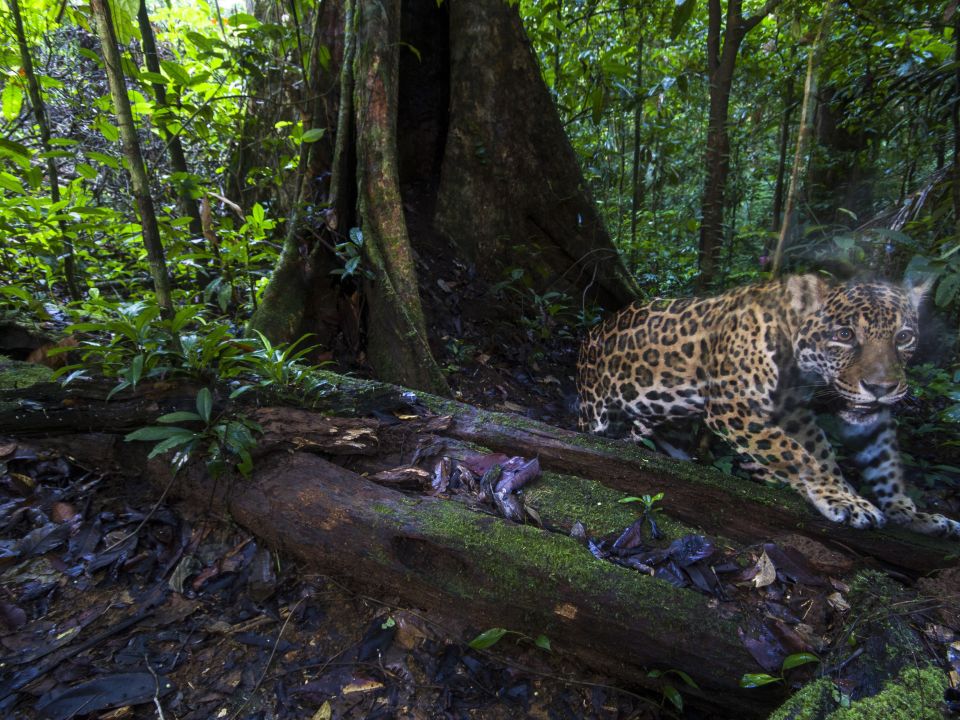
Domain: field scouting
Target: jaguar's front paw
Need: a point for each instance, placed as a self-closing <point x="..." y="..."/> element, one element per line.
<point x="928" y="523"/>
<point x="850" y="509"/>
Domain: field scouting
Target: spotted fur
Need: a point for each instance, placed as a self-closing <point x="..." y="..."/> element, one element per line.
<point x="746" y="360"/>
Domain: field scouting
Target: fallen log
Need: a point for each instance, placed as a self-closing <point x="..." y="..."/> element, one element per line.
<point x="442" y="556"/>
<point x="699" y="496"/>
<point x="445" y="557"/>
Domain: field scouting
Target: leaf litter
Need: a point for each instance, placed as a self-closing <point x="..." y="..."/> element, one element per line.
<point x="112" y="607"/>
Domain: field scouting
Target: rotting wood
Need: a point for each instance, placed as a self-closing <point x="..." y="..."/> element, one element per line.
<point x="439" y="555"/>
<point x="698" y="496"/>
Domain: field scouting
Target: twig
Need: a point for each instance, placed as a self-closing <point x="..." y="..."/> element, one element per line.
<point x="266" y="666"/>
<point x="156" y="686"/>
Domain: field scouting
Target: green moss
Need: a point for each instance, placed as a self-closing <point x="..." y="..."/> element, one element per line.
<point x="914" y="695"/>
<point x="17" y="375"/>
<point x="503" y="552"/>
<point x="562" y="500"/>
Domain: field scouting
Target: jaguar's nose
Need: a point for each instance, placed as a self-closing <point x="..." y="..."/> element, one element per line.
<point x="879" y="390"/>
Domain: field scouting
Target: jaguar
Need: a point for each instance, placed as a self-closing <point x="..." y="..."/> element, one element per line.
<point x="748" y="361"/>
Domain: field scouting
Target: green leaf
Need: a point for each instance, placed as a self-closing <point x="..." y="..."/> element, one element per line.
<point x="312" y="135"/>
<point x="686" y="679"/>
<point x="682" y="12"/>
<point x="153" y="77"/>
<point x="88" y="172"/>
<point x="11" y="183"/>
<point x="104" y="159"/>
<point x="204" y="404"/>
<point x="598" y="100"/>
<point x="674" y="696"/>
<point x="488" y="638"/>
<point x="157" y="432"/>
<point x="136" y="369"/>
<point x="797" y="659"/>
<point x="170" y="443"/>
<point x="240" y="19"/>
<point x="755" y="680"/>
<point x="175" y="72"/>
<point x="179" y="416"/>
<point x="947" y="289"/>
<point x="109" y="131"/>
<point x="91" y="55"/>
<point x="630" y="499"/>
<point x="542" y="642"/>
<point x="11" y="99"/>
<point x="15" y="149"/>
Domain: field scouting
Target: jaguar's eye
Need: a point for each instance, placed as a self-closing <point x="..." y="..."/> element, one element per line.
<point x="843" y="335"/>
<point x="905" y="337"/>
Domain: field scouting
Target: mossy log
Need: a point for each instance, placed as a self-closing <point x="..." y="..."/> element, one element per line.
<point x="697" y="496"/>
<point x="444" y="557"/>
<point x="309" y="496"/>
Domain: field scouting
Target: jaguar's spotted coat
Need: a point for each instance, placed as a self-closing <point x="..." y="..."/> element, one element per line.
<point x="744" y="361"/>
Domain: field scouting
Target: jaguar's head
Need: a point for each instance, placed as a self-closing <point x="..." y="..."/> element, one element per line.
<point x="859" y="341"/>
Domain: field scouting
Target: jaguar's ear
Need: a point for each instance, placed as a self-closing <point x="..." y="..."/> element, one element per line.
<point x="918" y="288"/>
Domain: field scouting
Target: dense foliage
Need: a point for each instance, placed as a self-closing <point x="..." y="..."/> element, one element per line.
<point x="631" y="84"/>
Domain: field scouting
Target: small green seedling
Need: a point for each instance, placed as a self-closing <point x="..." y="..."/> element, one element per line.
<point x="669" y="691"/>
<point x="650" y="510"/>
<point x="755" y="680"/>
<point x="228" y="439"/>
<point x="489" y="638"/>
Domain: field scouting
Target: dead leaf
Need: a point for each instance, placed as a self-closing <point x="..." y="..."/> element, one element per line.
<point x="61" y="512"/>
<point x="325" y="712"/>
<point x="361" y="685"/>
<point x="766" y="572"/>
<point x="837" y="602"/>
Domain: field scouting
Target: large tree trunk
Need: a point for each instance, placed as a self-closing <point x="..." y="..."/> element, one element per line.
<point x="397" y="342"/>
<point x="510" y="181"/>
<point x="454" y="151"/>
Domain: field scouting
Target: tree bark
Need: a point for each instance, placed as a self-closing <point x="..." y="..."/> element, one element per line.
<point x="438" y="554"/>
<point x="131" y="150"/>
<point x="397" y="342"/>
<point x="321" y="491"/>
<point x="186" y="204"/>
<point x="505" y="140"/>
<point x="40" y="113"/>
<point x="804" y="131"/>
<point x="723" y="46"/>
<point x="443" y="115"/>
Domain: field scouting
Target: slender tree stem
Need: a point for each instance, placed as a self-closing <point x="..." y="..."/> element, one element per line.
<point x="139" y="182"/>
<point x="40" y="113"/>
<point x="789" y="223"/>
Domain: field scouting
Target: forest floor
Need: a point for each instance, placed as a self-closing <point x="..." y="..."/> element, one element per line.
<point x="115" y="604"/>
<point x="110" y="600"/>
